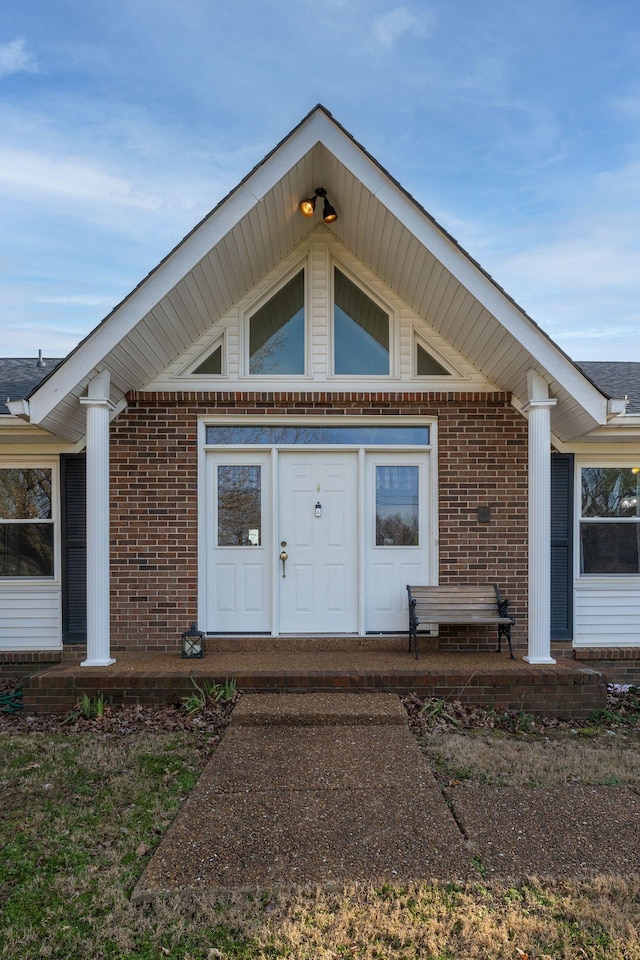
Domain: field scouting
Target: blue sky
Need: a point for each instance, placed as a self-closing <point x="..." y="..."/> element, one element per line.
<point x="517" y="125"/>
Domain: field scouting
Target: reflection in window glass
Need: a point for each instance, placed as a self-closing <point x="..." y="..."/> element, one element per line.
<point x="397" y="506"/>
<point x="610" y="492"/>
<point x="610" y="524"/>
<point x="610" y="547"/>
<point x="26" y="549"/>
<point x="239" y="506"/>
<point x="212" y="365"/>
<point x="360" y="331"/>
<point x="276" y="332"/>
<point x="26" y="530"/>
<point x="25" y="494"/>
<point x="401" y="436"/>
<point x="428" y="366"/>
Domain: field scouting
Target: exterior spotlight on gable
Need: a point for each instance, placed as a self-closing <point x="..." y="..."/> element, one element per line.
<point x="307" y="207"/>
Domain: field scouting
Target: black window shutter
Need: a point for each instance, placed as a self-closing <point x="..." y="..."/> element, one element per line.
<point x="74" y="548"/>
<point x="561" y="546"/>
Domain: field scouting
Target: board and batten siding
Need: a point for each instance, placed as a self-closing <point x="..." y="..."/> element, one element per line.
<point x="30" y="616"/>
<point x="607" y="612"/>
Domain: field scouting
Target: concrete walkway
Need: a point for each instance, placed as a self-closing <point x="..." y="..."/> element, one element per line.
<point x="330" y="788"/>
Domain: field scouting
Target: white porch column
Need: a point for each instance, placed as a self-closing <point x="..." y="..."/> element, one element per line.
<point x="539" y="411"/>
<point x="98" y="623"/>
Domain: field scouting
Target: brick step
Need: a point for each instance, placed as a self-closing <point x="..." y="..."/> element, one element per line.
<point x="563" y="689"/>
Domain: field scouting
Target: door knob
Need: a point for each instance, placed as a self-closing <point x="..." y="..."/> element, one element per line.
<point x="284" y="556"/>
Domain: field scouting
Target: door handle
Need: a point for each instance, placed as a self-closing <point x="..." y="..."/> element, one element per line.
<point x="284" y="556"/>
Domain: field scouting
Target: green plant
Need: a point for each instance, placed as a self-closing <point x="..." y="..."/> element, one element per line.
<point x="197" y="701"/>
<point x="89" y="707"/>
<point x="228" y="689"/>
<point x="437" y="709"/>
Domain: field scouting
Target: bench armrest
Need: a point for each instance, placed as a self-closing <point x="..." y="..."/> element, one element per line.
<point x="502" y="604"/>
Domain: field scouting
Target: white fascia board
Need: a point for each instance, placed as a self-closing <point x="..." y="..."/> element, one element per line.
<point x="184" y="258"/>
<point x="19" y="409"/>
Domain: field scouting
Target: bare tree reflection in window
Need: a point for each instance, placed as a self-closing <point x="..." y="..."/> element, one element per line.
<point x="276" y="332"/>
<point x="26" y="548"/>
<point x="397" y="507"/>
<point x="239" y="506"/>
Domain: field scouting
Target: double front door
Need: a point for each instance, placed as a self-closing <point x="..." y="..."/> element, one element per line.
<point x="313" y="542"/>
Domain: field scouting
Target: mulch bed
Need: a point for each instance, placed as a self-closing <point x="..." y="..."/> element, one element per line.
<point x="208" y="725"/>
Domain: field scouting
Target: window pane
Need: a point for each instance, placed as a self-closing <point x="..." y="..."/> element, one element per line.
<point x="397" y="506"/>
<point x="428" y="366"/>
<point x="276" y="332"/>
<point x="313" y="434"/>
<point x="610" y="492"/>
<point x="239" y="506"/>
<point x="609" y="547"/>
<point x="212" y="365"/>
<point x="360" y="331"/>
<point x="26" y="549"/>
<point x="25" y="494"/>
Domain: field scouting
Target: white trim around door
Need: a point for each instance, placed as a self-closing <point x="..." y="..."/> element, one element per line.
<point x="309" y="538"/>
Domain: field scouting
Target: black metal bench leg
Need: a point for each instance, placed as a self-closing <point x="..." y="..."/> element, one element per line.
<point x="504" y="629"/>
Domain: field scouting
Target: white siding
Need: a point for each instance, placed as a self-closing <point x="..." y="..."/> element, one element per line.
<point x="607" y="612"/>
<point x="30" y="617"/>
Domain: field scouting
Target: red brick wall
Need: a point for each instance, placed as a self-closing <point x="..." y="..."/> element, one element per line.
<point x="482" y="461"/>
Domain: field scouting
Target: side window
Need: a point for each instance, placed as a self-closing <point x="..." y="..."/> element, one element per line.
<point x="360" y="331"/>
<point x="26" y="523"/>
<point x="276" y="332"/>
<point x="211" y="365"/>
<point x="610" y="520"/>
<point x="427" y="365"/>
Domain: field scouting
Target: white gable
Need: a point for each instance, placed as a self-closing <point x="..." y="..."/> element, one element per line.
<point x="317" y="255"/>
<point x="427" y="277"/>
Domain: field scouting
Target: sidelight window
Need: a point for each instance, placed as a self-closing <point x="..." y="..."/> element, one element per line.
<point x="397" y="506"/>
<point x="239" y="505"/>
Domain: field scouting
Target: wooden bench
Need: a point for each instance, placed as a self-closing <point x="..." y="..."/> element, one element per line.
<point x="459" y="604"/>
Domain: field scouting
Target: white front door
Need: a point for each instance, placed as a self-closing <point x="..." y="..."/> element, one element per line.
<point x="318" y="530"/>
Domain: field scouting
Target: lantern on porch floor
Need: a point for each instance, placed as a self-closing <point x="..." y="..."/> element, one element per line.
<point x="192" y="643"/>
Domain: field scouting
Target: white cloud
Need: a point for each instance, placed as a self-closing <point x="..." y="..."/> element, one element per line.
<point x="389" y="27"/>
<point x="77" y="300"/>
<point x="15" y="57"/>
<point x="67" y="178"/>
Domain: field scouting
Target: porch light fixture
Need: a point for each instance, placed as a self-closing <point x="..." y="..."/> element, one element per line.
<point x="307" y="207"/>
<point x="192" y="643"/>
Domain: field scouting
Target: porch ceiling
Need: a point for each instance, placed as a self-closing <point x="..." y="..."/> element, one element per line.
<point x="258" y="224"/>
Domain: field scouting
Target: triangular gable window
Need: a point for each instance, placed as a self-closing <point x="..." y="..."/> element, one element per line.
<point x="427" y="365"/>
<point x="212" y="365"/>
<point x="276" y="332"/>
<point x="360" y="331"/>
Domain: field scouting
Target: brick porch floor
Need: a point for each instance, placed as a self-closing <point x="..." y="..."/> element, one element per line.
<point x="268" y="665"/>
